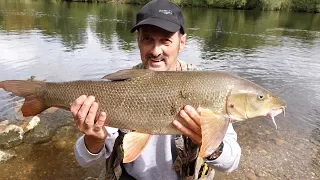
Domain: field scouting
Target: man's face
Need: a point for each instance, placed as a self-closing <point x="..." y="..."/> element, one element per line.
<point x="159" y="49"/>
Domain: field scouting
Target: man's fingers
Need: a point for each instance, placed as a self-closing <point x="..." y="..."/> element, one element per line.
<point x="82" y="113"/>
<point x="91" y="114"/>
<point x="193" y="114"/>
<point x="101" y="120"/>
<point x="76" y="105"/>
<point x="191" y="123"/>
<point x="196" y="138"/>
<point x="199" y="110"/>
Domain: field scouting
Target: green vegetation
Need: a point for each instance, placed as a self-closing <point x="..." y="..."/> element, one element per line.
<point x="273" y="5"/>
<point x="216" y="29"/>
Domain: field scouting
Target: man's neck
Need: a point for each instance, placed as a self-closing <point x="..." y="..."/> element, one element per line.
<point x="178" y="66"/>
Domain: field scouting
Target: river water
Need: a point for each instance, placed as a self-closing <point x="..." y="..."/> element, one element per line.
<point x="59" y="41"/>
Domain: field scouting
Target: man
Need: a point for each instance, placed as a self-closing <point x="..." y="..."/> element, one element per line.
<point x="161" y="37"/>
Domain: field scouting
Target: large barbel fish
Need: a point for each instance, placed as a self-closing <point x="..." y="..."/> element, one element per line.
<point x="148" y="101"/>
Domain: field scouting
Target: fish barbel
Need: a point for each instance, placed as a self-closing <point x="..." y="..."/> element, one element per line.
<point x="148" y="101"/>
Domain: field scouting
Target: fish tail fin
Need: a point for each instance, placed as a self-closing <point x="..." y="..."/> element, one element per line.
<point x="33" y="104"/>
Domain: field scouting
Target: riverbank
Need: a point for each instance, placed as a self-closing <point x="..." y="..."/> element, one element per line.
<point x="265" y="5"/>
<point x="267" y="153"/>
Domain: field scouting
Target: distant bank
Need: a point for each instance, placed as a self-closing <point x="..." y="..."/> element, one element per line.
<point x="273" y="5"/>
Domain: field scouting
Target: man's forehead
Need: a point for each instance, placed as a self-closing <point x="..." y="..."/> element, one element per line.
<point x="149" y="29"/>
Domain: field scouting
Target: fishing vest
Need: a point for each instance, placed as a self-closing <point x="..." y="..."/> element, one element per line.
<point x="187" y="164"/>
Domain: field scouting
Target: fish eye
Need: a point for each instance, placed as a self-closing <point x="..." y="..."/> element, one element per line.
<point x="260" y="96"/>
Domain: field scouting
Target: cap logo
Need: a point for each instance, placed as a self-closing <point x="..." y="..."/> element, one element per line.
<point x="165" y="11"/>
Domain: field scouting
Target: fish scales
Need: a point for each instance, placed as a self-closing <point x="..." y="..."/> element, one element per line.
<point x="146" y="103"/>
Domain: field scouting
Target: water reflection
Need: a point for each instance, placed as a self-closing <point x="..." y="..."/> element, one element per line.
<point x="278" y="50"/>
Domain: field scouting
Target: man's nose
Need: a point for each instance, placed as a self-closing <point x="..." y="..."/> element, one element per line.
<point x="156" y="50"/>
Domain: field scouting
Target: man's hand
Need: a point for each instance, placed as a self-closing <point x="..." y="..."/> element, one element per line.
<point x="192" y="118"/>
<point x="84" y="111"/>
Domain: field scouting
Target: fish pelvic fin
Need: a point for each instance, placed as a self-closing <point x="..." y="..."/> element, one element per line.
<point x="133" y="144"/>
<point x="213" y="129"/>
<point x="28" y="90"/>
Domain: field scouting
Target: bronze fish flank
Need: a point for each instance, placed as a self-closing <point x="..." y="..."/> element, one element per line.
<point x="148" y="101"/>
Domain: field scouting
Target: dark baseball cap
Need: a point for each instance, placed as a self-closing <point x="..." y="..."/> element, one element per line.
<point x="160" y="13"/>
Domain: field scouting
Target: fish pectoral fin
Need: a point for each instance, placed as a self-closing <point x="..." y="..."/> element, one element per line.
<point x="213" y="129"/>
<point x="126" y="74"/>
<point x="133" y="145"/>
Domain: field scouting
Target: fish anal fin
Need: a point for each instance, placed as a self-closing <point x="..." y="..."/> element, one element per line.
<point x="126" y="74"/>
<point x="214" y="128"/>
<point x="32" y="106"/>
<point x="133" y="145"/>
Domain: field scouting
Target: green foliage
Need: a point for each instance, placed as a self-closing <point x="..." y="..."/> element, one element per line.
<point x="306" y="5"/>
<point x="283" y="5"/>
<point x="275" y="5"/>
<point x="217" y="29"/>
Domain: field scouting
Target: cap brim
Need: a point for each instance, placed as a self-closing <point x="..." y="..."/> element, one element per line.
<point x="161" y="23"/>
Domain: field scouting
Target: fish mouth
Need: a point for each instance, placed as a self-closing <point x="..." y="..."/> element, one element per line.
<point x="274" y="112"/>
<point x="233" y="119"/>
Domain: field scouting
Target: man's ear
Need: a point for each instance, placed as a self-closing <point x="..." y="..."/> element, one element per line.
<point x="183" y="40"/>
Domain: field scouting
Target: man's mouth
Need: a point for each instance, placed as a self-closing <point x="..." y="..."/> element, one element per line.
<point x="157" y="60"/>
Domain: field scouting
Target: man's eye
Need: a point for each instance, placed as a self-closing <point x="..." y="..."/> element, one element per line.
<point x="146" y="39"/>
<point x="167" y="41"/>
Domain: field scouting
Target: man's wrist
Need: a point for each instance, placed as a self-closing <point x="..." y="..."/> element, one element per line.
<point x="216" y="153"/>
<point x="92" y="145"/>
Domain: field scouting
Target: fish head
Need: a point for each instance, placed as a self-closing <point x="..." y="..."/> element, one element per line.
<point x="250" y="100"/>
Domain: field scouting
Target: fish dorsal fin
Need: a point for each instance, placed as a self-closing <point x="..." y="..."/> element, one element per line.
<point x="213" y="129"/>
<point x="127" y="74"/>
<point x="133" y="145"/>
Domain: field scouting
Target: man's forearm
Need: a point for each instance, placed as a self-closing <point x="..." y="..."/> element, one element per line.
<point x="229" y="158"/>
<point x="87" y="157"/>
